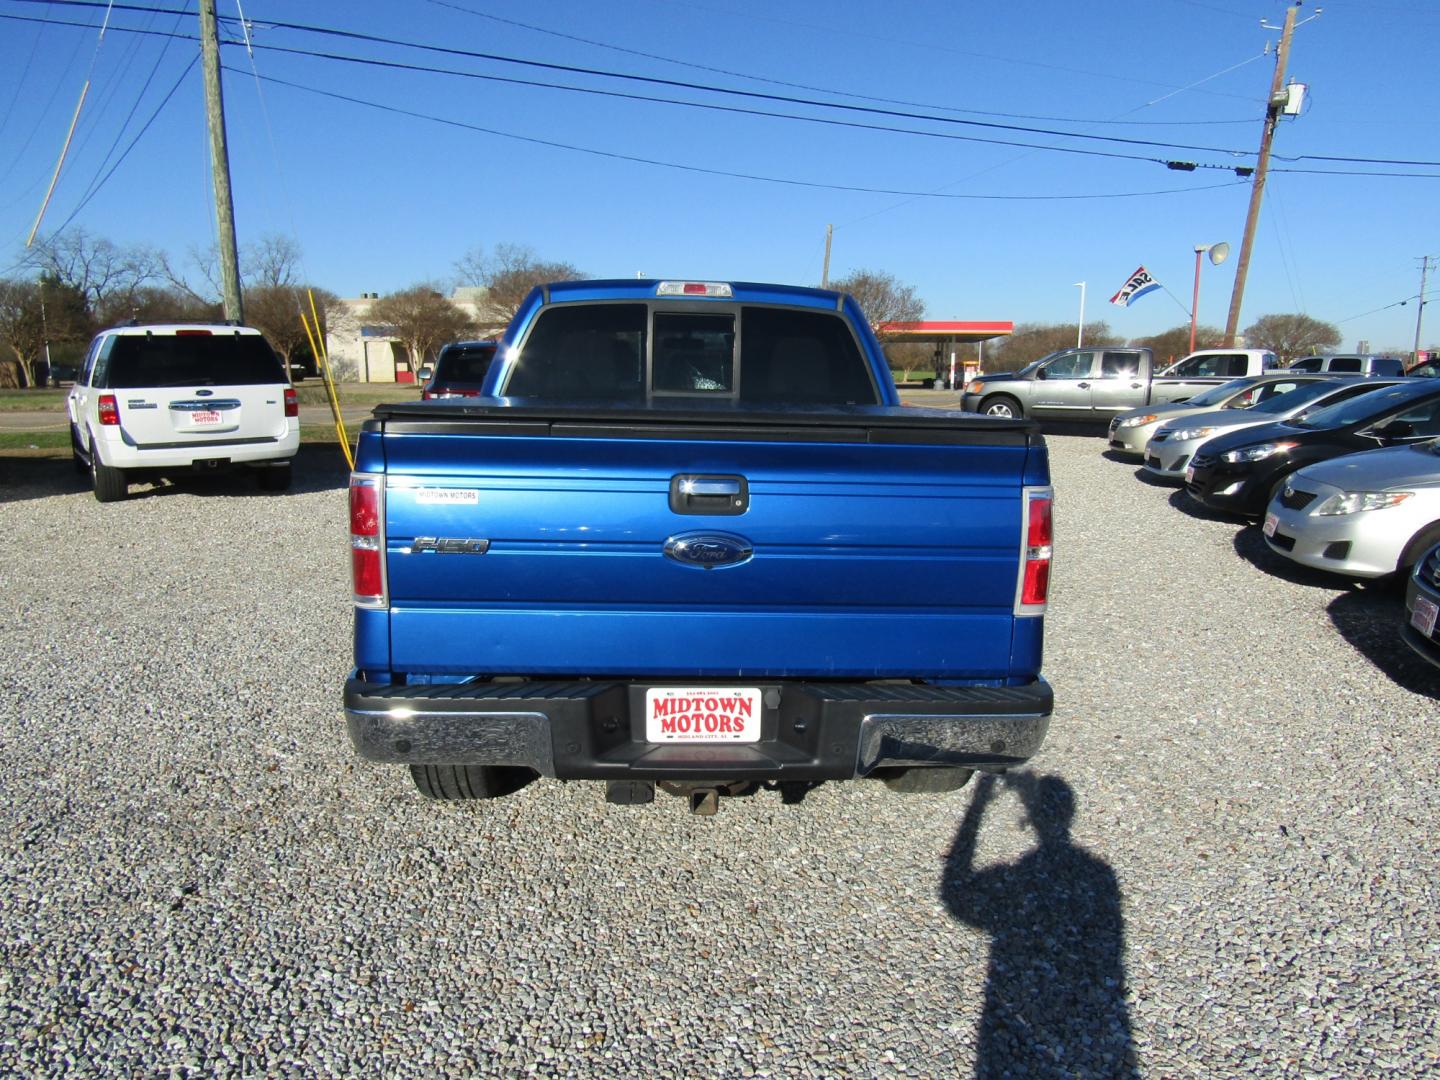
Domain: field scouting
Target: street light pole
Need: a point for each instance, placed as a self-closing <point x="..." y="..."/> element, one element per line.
<point x="1217" y="256"/>
<point x="1080" y="331"/>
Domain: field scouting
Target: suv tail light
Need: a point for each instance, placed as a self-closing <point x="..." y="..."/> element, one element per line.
<point x="367" y="539"/>
<point x="1038" y="530"/>
<point x="109" y="410"/>
<point x="292" y="403"/>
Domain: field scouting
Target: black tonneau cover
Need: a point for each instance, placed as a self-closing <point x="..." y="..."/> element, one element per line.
<point x="661" y="418"/>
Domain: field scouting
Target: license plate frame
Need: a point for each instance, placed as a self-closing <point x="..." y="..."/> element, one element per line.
<point x="1422" y="617"/>
<point x="703" y="715"/>
<point x="1189" y="474"/>
<point x="1271" y="524"/>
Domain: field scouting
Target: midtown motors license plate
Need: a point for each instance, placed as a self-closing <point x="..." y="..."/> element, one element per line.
<point x="205" y="418"/>
<point x="702" y="714"/>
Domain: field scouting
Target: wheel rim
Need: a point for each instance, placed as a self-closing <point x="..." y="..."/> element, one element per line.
<point x="999" y="408"/>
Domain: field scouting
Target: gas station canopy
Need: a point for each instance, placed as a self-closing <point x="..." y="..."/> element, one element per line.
<point x="955" y="333"/>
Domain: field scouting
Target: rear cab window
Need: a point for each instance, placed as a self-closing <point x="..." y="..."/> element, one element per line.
<point x="199" y="358"/>
<point x="744" y="353"/>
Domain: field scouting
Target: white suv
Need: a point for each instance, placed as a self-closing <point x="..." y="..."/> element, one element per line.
<point x="181" y="397"/>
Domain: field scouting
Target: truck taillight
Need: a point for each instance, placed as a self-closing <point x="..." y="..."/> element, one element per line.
<point x="1038" y="529"/>
<point x="109" y="410"/>
<point x="292" y="403"/>
<point x="367" y="539"/>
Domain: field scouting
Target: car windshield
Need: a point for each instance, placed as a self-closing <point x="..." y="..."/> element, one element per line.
<point x="1218" y="395"/>
<point x="1359" y="409"/>
<point x="1291" y="399"/>
<point x="194" y="358"/>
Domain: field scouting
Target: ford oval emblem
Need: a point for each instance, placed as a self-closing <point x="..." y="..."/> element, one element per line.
<point x="708" y="550"/>
<point x="203" y="393"/>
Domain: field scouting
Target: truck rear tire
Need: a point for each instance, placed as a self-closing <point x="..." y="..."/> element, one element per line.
<point x="1003" y="406"/>
<point x="455" y="782"/>
<point x="109" y="484"/>
<point x="929" y="781"/>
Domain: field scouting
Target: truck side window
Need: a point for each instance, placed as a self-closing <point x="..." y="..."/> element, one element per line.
<point x="1075" y="366"/>
<point x="1346" y="364"/>
<point x="1118" y="365"/>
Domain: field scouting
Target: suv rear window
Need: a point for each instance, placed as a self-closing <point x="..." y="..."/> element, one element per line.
<point x="220" y="359"/>
<point x="615" y="352"/>
<point x="464" y="363"/>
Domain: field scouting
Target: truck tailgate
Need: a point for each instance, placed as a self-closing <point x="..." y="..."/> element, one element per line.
<point x="879" y="548"/>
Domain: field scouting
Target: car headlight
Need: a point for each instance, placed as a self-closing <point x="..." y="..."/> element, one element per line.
<point x="1136" y="421"/>
<point x="1258" y="452"/>
<point x="974" y="386"/>
<point x="1186" y="434"/>
<point x="1356" y="502"/>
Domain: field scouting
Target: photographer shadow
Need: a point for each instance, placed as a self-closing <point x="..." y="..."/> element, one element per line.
<point x="1055" y="996"/>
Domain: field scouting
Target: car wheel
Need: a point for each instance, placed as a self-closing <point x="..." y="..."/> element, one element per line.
<point x="927" y="781"/>
<point x="109" y="484"/>
<point x="1006" y="407"/>
<point x="1419" y="544"/>
<point x="454" y="782"/>
<point x="276" y="477"/>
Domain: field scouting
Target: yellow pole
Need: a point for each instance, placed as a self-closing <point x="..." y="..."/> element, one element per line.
<point x="323" y="362"/>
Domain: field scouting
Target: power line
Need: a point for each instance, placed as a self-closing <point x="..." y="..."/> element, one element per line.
<point x="806" y="86"/>
<point x="613" y="155"/>
<point x="680" y="84"/>
<point x="698" y="87"/>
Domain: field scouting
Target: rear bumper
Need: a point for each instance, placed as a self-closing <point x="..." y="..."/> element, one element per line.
<point x="119" y="451"/>
<point x="595" y="730"/>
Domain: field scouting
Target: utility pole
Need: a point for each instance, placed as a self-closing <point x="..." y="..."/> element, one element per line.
<point x="1420" y="315"/>
<point x="825" y="271"/>
<point x="1257" y="189"/>
<point x="220" y="163"/>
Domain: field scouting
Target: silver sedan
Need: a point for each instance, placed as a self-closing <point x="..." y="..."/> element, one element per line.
<point x="1131" y="430"/>
<point x="1175" y="441"/>
<point x="1363" y="515"/>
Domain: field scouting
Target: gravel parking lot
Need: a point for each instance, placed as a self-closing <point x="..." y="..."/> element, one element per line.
<point x="1223" y="862"/>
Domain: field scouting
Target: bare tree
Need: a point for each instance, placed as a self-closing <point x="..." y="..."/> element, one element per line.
<point x="1291" y="336"/>
<point x="882" y="297"/>
<point x="508" y="274"/>
<point x="275" y="311"/>
<point x="422" y="318"/>
<point x="103" y="272"/>
<point x="1174" y="344"/>
<point x="273" y="261"/>
<point x="32" y="313"/>
<point x="1031" y="341"/>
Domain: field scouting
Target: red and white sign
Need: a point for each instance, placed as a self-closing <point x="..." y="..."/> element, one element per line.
<point x="205" y="418"/>
<point x="702" y="714"/>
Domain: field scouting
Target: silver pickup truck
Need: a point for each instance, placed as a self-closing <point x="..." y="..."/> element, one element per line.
<point x="1096" y="383"/>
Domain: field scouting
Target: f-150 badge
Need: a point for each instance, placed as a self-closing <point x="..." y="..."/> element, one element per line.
<point x="708" y="550"/>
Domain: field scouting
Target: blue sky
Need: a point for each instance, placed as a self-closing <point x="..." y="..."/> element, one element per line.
<point x="380" y="198"/>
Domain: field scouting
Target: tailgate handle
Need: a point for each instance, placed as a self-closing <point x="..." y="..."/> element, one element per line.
<point x="692" y="493"/>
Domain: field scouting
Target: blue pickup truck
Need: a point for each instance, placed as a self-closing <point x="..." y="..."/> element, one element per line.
<point x="688" y="537"/>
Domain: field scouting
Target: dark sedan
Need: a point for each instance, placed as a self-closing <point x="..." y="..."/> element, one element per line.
<point x="459" y="370"/>
<point x="1239" y="473"/>
<point x="1422" y="605"/>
